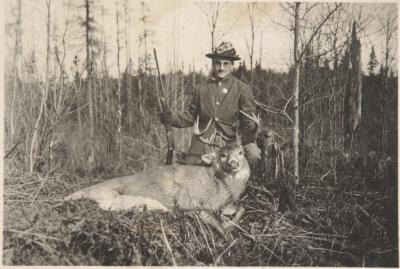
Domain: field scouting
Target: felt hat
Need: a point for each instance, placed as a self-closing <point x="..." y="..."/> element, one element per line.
<point x="224" y="50"/>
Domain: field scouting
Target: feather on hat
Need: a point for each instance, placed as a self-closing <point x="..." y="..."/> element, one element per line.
<point x="224" y="50"/>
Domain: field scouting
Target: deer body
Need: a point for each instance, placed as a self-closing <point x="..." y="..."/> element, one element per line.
<point x="179" y="186"/>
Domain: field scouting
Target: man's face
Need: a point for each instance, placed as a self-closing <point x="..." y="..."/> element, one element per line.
<point x="222" y="67"/>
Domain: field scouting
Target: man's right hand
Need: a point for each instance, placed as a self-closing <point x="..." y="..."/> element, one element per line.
<point x="166" y="117"/>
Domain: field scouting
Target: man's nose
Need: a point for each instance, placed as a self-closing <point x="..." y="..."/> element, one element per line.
<point x="221" y="67"/>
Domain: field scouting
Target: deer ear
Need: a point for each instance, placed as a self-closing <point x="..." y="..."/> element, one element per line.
<point x="209" y="158"/>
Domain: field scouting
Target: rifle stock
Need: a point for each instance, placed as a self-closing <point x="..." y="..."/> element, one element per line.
<point x="168" y="128"/>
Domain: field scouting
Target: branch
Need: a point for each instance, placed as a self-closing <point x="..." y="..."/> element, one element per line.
<point x="274" y="110"/>
<point x="317" y="30"/>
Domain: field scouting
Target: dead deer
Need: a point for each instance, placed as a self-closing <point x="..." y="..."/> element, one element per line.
<point x="207" y="189"/>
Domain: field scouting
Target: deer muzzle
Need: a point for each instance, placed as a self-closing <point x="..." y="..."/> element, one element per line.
<point x="234" y="165"/>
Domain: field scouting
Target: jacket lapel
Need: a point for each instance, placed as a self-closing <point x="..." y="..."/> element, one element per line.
<point x="229" y="88"/>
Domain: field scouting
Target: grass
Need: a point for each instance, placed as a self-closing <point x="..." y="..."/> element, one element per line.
<point x="350" y="222"/>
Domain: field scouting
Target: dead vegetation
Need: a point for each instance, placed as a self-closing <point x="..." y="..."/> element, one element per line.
<point x="350" y="223"/>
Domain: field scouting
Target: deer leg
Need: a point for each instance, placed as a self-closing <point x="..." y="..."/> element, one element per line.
<point x="211" y="220"/>
<point x="230" y="224"/>
<point x="229" y="210"/>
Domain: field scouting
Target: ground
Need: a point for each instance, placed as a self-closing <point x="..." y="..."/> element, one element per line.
<point x="350" y="220"/>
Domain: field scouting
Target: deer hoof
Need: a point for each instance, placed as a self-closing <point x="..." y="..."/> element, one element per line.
<point x="229" y="226"/>
<point x="228" y="236"/>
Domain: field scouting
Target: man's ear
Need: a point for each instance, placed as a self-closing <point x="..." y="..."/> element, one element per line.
<point x="209" y="158"/>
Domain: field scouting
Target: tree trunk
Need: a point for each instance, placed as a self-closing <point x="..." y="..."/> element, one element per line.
<point x="89" y="69"/>
<point x="129" y="109"/>
<point x="296" y="96"/>
<point x="119" y="90"/>
<point x="141" y="115"/>
<point x="44" y="96"/>
<point x="17" y="53"/>
<point x="383" y="138"/>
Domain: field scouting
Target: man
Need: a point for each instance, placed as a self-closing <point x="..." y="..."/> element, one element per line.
<point x="218" y="105"/>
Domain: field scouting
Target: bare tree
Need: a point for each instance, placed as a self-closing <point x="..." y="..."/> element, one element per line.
<point x="294" y="11"/>
<point x="104" y="70"/>
<point x="119" y="112"/>
<point x="63" y="96"/>
<point x="143" y="38"/>
<point x="129" y="65"/>
<point x="88" y="23"/>
<point x="296" y="77"/>
<point x="389" y="25"/>
<point x="17" y="55"/>
<point x="212" y="10"/>
<point x="251" y="8"/>
<point x="34" y="142"/>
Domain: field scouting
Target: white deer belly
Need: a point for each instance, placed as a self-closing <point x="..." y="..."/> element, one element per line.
<point x="116" y="202"/>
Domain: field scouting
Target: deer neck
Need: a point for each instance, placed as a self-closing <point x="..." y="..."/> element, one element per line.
<point x="235" y="183"/>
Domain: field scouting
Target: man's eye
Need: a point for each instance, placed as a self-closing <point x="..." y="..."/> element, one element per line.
<point x="240" y="152"/>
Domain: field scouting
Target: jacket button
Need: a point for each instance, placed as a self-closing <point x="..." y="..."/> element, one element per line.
<point x="217" y="103"/>
<point x="216" y="119"/>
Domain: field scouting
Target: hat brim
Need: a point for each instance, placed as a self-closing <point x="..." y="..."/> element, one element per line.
<point x="215" y="55"/>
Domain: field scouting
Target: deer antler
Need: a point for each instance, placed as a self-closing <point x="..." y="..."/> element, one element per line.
<point x="252" y="117"/>
<point x="199" y="133"/>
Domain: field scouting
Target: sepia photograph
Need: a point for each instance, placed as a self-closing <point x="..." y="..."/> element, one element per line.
<point x="200" y="133"/>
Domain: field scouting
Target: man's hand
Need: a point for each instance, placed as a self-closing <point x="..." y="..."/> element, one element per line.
<point x="166" y="117"/>
<point x="252" y="151"/>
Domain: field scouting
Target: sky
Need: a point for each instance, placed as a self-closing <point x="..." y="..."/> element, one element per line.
<point x="173" y="24"/>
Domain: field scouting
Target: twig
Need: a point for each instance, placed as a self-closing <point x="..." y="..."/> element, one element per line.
<point x="325" y="175"/>
<point x="270" y="256"/>
<point x="272" y="253"/>
<point x="68" y="261"/>
<point x="323" y="234"/>
<point x="218" y="260"/>
<point x="22" y="233"/>
<point x="329" y="250"/>
<point x="167" y="243"/>
<point x="205" y="237"/>
<point x="12" y="150"/>
<point x="45" y="247"/>
<point x="368" y="215"/>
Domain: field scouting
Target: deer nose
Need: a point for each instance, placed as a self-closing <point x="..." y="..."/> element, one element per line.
<point x="234" y="164"/>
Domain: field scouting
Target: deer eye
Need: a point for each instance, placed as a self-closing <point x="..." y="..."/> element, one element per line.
<point x="223" y="155"/>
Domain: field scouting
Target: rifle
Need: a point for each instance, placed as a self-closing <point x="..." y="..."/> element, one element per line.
<point x="168" y="128"/>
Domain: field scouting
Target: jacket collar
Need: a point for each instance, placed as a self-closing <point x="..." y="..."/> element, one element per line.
<point x="217" y="79"/>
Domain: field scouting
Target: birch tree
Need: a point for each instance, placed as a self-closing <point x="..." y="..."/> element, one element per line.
<point x="294" y="11"/>
<point x="119" y="112"/>
<point x="212" y="10"/>
<point x="296" y="77"/>
<point x="45" y="87"/>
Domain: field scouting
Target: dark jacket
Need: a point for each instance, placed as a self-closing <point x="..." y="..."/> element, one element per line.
<point x="219" y="101"/>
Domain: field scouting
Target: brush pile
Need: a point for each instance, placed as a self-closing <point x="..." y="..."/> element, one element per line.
<point x="350" y="222"/>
